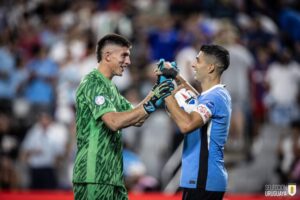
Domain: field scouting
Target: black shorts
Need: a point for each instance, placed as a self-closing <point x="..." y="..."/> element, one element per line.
<point x="198" y="194"/>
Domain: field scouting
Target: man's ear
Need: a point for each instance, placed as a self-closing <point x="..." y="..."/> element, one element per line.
<point x="211" y="68"/>
<point x="107" y="56"/>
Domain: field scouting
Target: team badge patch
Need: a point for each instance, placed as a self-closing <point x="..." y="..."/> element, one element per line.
<point x="99" y="100"/>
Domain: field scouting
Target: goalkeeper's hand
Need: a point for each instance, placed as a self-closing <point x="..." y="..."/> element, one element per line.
<point x="166" y="70"/>
<point x="160" y="92"/>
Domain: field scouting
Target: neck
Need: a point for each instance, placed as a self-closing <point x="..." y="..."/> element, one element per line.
<point x="209" y="82"/>
<point x="105" y="70"/>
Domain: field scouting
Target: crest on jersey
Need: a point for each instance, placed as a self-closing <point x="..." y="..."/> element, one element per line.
<point x="99" y="100"/>
<point x="292" y="189"/>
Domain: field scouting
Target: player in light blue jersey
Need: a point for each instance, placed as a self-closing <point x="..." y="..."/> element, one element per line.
<point x="205" y="128"/>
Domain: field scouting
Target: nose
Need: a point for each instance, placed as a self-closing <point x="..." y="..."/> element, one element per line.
<point x="127" y="61"/>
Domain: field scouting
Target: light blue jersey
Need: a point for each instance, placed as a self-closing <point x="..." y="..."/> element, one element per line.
<point x="203" y="159"/>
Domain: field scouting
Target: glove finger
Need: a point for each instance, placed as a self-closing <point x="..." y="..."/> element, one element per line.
<point x="155" y="86"/>
<point x="171" y="85"/>
<point x="165" y="95"/>
<point x="160" y="64"/>
<point x="166" y="87"/>
<point x="174" y="65"/>
<point x="167" y="81"/>
<point x="161" y="60"/>
<point x="165" y="84"/>
<point x="165" y="91"/>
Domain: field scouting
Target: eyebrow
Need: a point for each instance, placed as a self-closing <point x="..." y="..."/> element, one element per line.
<point x="126" y="53"/>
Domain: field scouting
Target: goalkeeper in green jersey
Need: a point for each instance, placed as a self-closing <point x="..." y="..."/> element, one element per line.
<point x="101" y="112"/>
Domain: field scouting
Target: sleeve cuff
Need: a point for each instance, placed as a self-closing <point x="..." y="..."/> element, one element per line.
<point x="102" y="112"/>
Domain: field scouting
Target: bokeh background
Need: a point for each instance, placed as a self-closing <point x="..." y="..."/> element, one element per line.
<point x="47" y="46"/>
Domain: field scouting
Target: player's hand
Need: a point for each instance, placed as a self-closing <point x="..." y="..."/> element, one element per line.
<point x="160" y="92"/>
<point x="167" y="69"/>
<point x="160" y="77"/>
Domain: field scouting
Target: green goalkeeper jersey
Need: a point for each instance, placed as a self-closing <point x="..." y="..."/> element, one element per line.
<point x="99" y="156"/>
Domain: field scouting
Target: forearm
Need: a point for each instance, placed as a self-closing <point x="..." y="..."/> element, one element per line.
<point x="147" y="98"/>
<point x="136" y="117"/>
<point x="180" y="81"/>
<point x="180" y="117"/>
<point x="118" y="120"/>
<point x="186" y="122"/>
<point x="141" y="122"/>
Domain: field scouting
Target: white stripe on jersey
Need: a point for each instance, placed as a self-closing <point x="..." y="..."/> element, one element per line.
<point x="208" y="133"/>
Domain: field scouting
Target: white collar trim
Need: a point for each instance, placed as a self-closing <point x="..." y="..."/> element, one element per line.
<point x="212" y="88"/>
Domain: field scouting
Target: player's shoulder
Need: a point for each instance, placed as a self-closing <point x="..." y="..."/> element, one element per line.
<point x="217" y="93"/>
<point x="92" y="80"/>
<point x="90" y="84"/>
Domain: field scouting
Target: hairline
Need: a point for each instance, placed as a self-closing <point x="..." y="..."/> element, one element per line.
<point x="212" y="59"/>
<point x="111" y="43"/>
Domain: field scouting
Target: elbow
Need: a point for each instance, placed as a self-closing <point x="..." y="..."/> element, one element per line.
<point x="184" y="128"/>
<point x="138" y="125"/>
<point x="188" y="126"/>
<point x="112" y="121"/>
<point x="113" y="126"/>
<point x="116" y="127"/>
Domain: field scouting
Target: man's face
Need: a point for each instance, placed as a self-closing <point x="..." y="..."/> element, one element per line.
<point x="200" y="66"/>
<point x="120" y="59"/>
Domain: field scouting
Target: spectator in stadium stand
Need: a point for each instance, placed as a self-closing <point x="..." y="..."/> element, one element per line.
<point x="7" y="68"/>
<point x="295" y="168"/>
<point x="282" y="103"/>
<point x="43" y="146"/>
<point x="241" y="62"/>
<point x="40" y="86"/>
<point x="205" y="127"/>
<point x="101" y="113"/>
<point x="164" y="40"/>
<point x="8" y="152"/>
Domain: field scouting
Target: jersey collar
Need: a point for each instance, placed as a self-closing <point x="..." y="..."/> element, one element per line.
<point x="100" y="75"/>
<point x="214" y="87"/>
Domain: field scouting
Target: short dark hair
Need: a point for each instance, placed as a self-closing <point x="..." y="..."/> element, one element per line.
<point x="220" y="54"/>
<point x="111" y="39"/>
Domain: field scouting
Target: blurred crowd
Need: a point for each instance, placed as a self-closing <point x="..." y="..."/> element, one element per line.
<point x="47" y="46"/>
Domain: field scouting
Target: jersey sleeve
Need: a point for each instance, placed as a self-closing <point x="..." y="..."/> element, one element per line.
<point x="99" y="100"/>
<point x="125" y="104"/>
<point x="205" y="108"/>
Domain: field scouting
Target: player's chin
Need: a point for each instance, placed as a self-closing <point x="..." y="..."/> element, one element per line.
<point x="119" y="73"/>
<point x="197" y="77"/>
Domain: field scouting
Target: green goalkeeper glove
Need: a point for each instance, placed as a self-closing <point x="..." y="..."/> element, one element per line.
<point x="160" y="92"/>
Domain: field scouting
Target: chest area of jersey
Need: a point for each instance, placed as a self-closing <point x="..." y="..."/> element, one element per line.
<point x="115" y="98"/>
